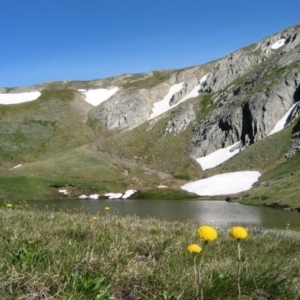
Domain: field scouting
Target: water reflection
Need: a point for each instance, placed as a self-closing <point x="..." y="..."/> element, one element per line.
<point x="218" y="212"/>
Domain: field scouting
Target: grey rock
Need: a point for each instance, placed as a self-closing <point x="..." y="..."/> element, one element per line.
<point x="188" y="86"/>
<point x="183" y="117"/>
<point x="123" y="111"/>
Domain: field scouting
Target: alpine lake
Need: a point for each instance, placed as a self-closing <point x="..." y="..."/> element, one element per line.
<point x="203" y="212"/>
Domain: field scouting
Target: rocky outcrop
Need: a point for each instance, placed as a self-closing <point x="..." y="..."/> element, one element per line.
<point x="183" y="117"/>
<point x="123" y="111"/>
<point x="248" y="112"/>
<point x="239" y="63"/>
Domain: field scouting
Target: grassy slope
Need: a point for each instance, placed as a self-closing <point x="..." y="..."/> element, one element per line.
<point x="43" y="127"/>
<point x="149" y="145"/>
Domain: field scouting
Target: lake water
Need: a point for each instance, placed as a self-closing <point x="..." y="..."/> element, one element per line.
<point x="218" y="212"/>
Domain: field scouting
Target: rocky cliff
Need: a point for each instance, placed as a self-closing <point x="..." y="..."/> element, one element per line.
<point x="250" y="90"/>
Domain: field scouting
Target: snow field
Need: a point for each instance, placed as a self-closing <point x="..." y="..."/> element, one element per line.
<point x="282" y="122"/>
<point x="97" y="96"/>
<point x="163" y="106"/>
<point x="278" y="44"/>
<point x="8" y="99"/>
<point x="223" y="184"/>
<point x="217" y="157"/>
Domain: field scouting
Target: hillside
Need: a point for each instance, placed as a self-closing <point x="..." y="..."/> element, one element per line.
<point x="162" y="128"/>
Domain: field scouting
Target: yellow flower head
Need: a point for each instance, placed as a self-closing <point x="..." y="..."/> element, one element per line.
<point x="9" y="205"/>
<point x="94" y="218"/>
<point x="106" y="208"/>
<point x="207" y="233"/>
<point x="238" y="233"/>
<point x="194" y="248"/>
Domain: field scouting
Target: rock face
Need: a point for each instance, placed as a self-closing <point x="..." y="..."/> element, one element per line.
<point x="123" y="110"/>
<point x="183" y="117"/>
<point x="249" y="109"/>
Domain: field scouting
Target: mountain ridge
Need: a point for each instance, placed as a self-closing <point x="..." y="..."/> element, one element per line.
<point x="243" y="96"/>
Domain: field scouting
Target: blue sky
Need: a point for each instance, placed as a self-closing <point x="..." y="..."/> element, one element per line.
<point x="45" y="40"/>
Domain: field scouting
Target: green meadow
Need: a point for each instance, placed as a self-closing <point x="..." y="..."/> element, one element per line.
<point x="74" y="255"/>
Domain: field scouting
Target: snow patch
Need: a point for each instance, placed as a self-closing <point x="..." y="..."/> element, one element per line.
<point x="223" y="184"/>
<point x="162" y="106"/>
<point x="65" y="192"/>
<point x="162" y="187"/>
<point x="202" y="81"/>
<point x="282" y="122"/>
<point x="17" y="166"/>
<point x="128" y="194"/>
<point x="113" y="195"/>
<point x="8" y="99"/>
<point x="94" y="196"/>
<point x="215" y="158"/>
<point x="83" y="197"/>
<point x="95" y="97"/>
<point x="278" y="44"/>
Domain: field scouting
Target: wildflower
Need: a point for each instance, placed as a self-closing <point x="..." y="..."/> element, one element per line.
<point x="9" y="205"/>
<point x="194" y="248"/>
<point x="94" y="218"/>
<point x="207" y="233"/>
<point x="107" y="208"/>
<point x="238" y="233"/>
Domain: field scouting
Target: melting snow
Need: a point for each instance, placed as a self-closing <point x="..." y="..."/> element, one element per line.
<point x="278" y="44"/>
<point x="113" y="195"/>
<point x="94" y="196"/>
<point x="162" y="106"/>
<point x="8" y="99"/>
<point x="162" y="186"/>
<point x="83" y="197"/>
<point x="202" y="81"/>
<point x="95" y="97"/>
<point x="65" y="192"/>
<point x="282" y="122"/>
<point x="17" y="166"/>
<point x="215" y="158"/>
<point x="128" y="194"/>
<point x="223" y="184"/>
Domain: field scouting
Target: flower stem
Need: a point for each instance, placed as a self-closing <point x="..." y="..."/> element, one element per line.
<point x="196" y="275"/>
<point x="199" y="272"/>
<point x="239" y="268"/>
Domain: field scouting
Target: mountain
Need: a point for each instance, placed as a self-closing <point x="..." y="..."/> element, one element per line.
<point x="161" y="128"/>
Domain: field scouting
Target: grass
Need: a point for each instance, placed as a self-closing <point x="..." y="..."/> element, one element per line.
<point x="24" y="188"/>
<point x="164" y="194"/>
<point x="206" y="106"/>
<point x="48" y="255"/>
<point x="157" y="78"/>
<point x="37" y="128"/>
<point x="150" y="146"/>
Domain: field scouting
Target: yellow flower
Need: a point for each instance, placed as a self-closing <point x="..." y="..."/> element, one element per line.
<point x="238" y="232"/>
<point x="94" y="218"/>
<point x="207" y="233"/>
<point x="194" y="248"/>
<point x="9" y="205"/>
<point x="106" y="208"/>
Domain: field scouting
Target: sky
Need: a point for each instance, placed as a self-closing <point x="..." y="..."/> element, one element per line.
<point x="48" y="40"/>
